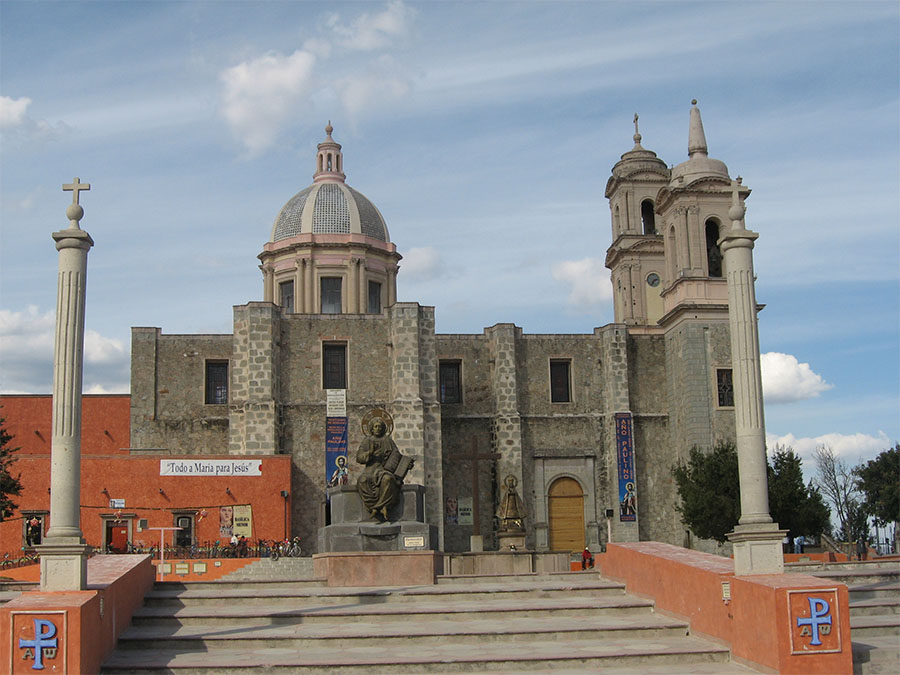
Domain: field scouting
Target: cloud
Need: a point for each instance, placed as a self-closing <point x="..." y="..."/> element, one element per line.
<point x="853" y="448"/>
<point x="262" y="94"/>
<point x="422" y="264"/>
<point x="785" y="380"/>
<point x="589" y="279"/>
<point x="382" y="83"/>
<point x="369" y="32"/>
<point x="12" y="111"/>
<point x="26" y="355"/>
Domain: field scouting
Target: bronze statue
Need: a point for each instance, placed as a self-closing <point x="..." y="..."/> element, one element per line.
<point x="379" y="483"/>
<point x="512" y="509"/>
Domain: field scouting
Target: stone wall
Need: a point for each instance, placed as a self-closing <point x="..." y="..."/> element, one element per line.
<point x="168" y="381"/>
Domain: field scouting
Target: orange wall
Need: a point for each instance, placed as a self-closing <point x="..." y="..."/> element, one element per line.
<point x="137" y="481"/>
<point x="105" y="423"/>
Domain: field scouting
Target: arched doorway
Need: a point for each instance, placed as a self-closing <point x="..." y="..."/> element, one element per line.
<point x="566" y="509"/>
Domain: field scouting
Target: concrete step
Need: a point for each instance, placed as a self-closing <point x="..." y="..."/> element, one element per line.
<point x="342" y="596"/>
<point x="221" y="584"/>
<point x="236" y="614"/>
<point x="398" y="633"/>
<point x="343" y="658"/>
<point x="865" y="626"/>
<point x="877" y="605"/>
<point x="876" y="654"/>
<point x="515" y="578"/>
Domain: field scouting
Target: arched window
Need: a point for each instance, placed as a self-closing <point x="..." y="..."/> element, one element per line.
<point x="648" y="218"/>
<point x="616" y="230"/>
<point x="329" y="161"/>
<point x="320" y="162"/>
<point x="671" y="254"/>
<point x="713" y="252"/>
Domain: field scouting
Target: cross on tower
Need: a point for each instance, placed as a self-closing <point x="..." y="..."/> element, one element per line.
<point x="76" y="187"/>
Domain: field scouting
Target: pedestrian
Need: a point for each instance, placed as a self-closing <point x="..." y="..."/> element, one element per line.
<point x="587" y="559"/>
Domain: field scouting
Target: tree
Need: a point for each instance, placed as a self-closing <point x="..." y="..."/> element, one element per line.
<point x="794" y="506"/>
<point x="9" y="485"/>
<point x="838" y="484"/>
<point x="710" y="492"/>
<point x="879" y="482"/>
<point x="709" y="487"/>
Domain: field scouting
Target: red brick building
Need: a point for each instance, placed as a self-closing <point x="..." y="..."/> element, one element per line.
<point x="125" y="493"/>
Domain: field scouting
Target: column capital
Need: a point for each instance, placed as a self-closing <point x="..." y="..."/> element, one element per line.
<point x="72" y="238"/>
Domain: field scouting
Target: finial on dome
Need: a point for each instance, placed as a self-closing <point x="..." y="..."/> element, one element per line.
<point x="737" y="210"/>
<point x="696" y="137"/>
<point x="637" y="134"/>
<point x="329" y="129"/>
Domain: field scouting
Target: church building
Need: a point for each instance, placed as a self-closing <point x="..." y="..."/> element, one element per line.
<point x="589" y="425"/>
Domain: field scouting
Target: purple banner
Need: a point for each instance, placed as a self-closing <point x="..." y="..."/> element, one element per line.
<point x="625" y="460"/>
<point x="337" y="468"/>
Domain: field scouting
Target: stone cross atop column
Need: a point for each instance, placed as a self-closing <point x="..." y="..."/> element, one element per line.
<point x="64" y="553"/>
<point x="756" y="539"/>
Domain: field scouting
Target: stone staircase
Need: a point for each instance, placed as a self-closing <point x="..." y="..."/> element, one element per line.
<point x="556" y="622"/>
<point x="266" y="569"/>
<point x="874" y="610"/>
<point x="11" y="589"/>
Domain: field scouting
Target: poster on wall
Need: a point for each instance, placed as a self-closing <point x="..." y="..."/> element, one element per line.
<point x="337" y="465"/>
<point x="226" y="521"/>
<point x="451" y="511"/>
<point x="243" y="521"/>
<point x="465" y="511"/>
<point x="625" y="460"/>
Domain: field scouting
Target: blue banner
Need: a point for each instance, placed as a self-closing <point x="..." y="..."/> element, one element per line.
<point x="337" y="466"/>
<point x="625" y="460"/>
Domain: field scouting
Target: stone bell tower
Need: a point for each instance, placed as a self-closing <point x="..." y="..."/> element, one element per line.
<point x="636" y="257"/>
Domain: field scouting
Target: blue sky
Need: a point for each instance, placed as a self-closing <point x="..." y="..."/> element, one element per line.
<point x="485" y="133"/>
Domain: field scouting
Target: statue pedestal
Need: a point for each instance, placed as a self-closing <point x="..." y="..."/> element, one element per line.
<point x="511" y="541"/>
<point x="353" y="529"/>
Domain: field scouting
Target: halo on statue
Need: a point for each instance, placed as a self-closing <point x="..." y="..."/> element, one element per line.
<point x="377" y="413"/>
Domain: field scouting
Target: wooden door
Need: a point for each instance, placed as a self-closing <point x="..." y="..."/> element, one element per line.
<point x="566" y="508"/>
<point x="116" y="538"/>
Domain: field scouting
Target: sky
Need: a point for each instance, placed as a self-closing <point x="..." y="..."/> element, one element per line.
<point x="485" y="133"/>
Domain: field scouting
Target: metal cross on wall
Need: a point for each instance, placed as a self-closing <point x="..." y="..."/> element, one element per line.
<point x="75" y="187"/>
<point x="475" y="458"/>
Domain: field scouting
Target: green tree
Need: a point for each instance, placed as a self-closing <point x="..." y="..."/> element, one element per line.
<point x="709" y="490"/>
<point x="9" y="484"/>
<point x="709" y="487"/>
<point x="794" y="506"/>
<point x="879" y="482"/>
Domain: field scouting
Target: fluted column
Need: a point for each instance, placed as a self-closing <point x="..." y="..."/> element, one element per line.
<point x="353" y="290"/>
<point x="363" y="288"/>
<point x="64" y="553"/>
<point x="309" y="290"/>
<point x="756" y="539"/>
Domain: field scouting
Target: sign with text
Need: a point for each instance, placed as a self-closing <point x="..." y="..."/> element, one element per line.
<point x="337" y="467"/>
<point x="243" y="521"/>
<point x="815" y="624"/>
<point x="210" y="467"/>
<point x="335" y="403"/>
<point x="465" y="511"/>
<point x="625" y="461"/>
<point x="117" y="503"/>
<point x="39" y="641"/>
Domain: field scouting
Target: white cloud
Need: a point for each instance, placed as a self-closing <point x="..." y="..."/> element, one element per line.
<point x="381" y="84"/>
<point x="421" y="264"/>
<point x="12" y="111"/>
<point x="589" y="279"/>
<point x="368" y="32"/>
<point x="26" y="355"/>
<point x="262" y="94"/>
<point x="853" y="448"/>
<point x="785" y="380"/>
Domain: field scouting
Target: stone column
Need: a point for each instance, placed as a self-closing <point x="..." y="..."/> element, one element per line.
<point x="363" y="288"/>
<point x="64" y="553"/>
<point x="309" y="288"/>
<point x="756" y="539"/>
<point x="353" y="284"/>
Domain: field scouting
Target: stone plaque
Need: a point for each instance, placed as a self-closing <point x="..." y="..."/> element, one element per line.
<point x="413" y="542"/>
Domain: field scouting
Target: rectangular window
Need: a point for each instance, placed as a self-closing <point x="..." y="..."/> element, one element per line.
<point x="560" y="391"/>
<point x="331" y="295"/>
<point x="184" y="537"/>
<point x="216" y="382"/>
<point x="286" y="290"/>
<point x="334" y="366"/>
<point x="374" y="297"/>
<point x="451" y="384"/>
<point x="724" y="387"/>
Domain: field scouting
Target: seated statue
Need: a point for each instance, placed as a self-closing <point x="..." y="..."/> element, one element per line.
<point x="379" y="483"/>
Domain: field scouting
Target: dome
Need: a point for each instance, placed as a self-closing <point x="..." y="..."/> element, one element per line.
<point x="329" y="205"/>
<point x="329" y="208"/>
<point x="700" y="164"/>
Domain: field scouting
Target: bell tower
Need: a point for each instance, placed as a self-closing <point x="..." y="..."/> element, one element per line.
<point x="636" y="256"/>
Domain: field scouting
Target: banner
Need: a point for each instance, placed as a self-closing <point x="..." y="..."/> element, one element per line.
<point x="337" y="466"/>
<point x="465" y="511"/>
<point x="243" y="521"/>
<point x="226" y="522"/>
<point x="625" y="460"/>
<point x="210" y="467"/>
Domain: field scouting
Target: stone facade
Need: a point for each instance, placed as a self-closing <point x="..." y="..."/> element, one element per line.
<point x="538" y="407"/>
